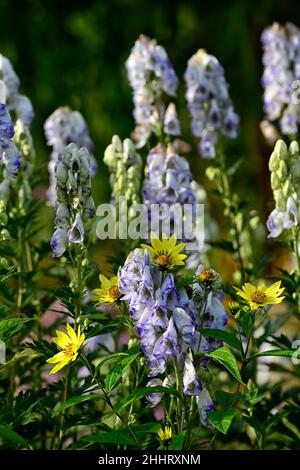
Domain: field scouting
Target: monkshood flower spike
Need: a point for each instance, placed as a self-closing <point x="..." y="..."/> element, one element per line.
<point x="285" y="178"/>
<point x="168" y="320"/>
<point x="9" y="154"/>
<point x="74" y="203"/>
<point x="281" y="59"/>
<point x="209" y="103"/>
<point x="151" y="76"/>
<point x="63" y="127"/>
<point x="17" y="103"/>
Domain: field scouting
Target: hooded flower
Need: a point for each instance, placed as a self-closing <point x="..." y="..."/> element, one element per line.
<point x="76" y="232"/>
<point x="205" y="405"/>
<point x="191" y="383"/>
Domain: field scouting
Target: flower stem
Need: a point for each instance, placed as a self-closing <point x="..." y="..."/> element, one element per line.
<point x="107" y="399"/>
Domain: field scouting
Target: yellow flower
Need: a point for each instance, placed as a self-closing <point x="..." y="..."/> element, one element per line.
<point x="261" y="296"/>
<point x="165" y="254"/>
<point x="70" y="344"/>
<point x="166" y="434"/>
<point x="109" y="291"/>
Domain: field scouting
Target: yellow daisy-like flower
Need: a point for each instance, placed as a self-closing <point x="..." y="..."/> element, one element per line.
<point x="70" y="343"/>
<point x="165" y="253"/>
<point x="165" y="434"/>
<point x="109" y="290"/>
<point x="261" y="296"/>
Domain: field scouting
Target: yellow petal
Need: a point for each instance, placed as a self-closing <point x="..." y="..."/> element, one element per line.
<point x="59" y="366"/>
<point x="56" y="358"/>
<point x="72" y="333"/>
<point x="105" y="283"/>
<point x="62" y="339"/>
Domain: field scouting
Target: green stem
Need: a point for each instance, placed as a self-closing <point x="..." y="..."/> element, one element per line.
<point x="227" y="199"/>
<point x="107" y="399"/>
<point x="62" y="419"/>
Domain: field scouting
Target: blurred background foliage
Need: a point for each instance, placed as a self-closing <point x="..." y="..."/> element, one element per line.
<point x="73" y="53"/>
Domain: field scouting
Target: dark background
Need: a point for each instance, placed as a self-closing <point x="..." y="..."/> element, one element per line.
<point x="73" y="53"/>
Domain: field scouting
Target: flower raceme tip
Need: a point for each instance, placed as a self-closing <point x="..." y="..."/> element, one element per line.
<point x="261" y="296"/>
<point x="165" y="254"/>
<point x="70" y="344"/>
<point x="109" y="290"/>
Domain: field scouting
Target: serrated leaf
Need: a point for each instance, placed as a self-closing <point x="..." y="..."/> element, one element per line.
<point x="177" y="442"/>
<point x="222" y="420"/>
<point x="225" y="336"/>
<point x="117" y="371"/>
<point x="227" y="359"/>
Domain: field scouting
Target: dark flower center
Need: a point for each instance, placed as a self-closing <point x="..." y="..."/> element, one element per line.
<point x="163" y="262"/>
<point x="258" y="297"/>
<point x="114" y="292"/>
<point x="206" y="277"/>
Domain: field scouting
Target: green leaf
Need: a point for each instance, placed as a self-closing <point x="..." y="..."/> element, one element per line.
<point x="123" y="436"/>
<point x="7" y="434"/>
<point x="117" y="371"/>
<point x="227" y="359"/>
<point x="273" y="352"/>
<point x="75" y="401"/>
<point x="225" y="336"/>
<point x="140" y="393"/>
<point x="246" y="322"/>
<point x="177" y="442"/>
<point x="11" y="326"/>
<point x="226" y="399"/>
<point x="222" y="420"/>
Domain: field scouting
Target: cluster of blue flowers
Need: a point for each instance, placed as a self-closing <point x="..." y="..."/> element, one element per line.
<point x="151" y="75"/>
<point x="281" y="60"/>
<point x="209" y="102"/>
<point x="63" y="127"/>
<point x="74" y="201"/>
<point x="17" y="103"/>
<point x="9" y="155"/>
<point x="11" y="101"/>
<point x="167" y="321"/>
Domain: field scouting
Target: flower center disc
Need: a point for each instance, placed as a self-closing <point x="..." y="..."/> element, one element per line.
<point x="114" y="292"/>
<point x="258" y="297"/>
<point x="206" y="276"/>
<point x="163" y="262"/>
<point x="69" y="351"/>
